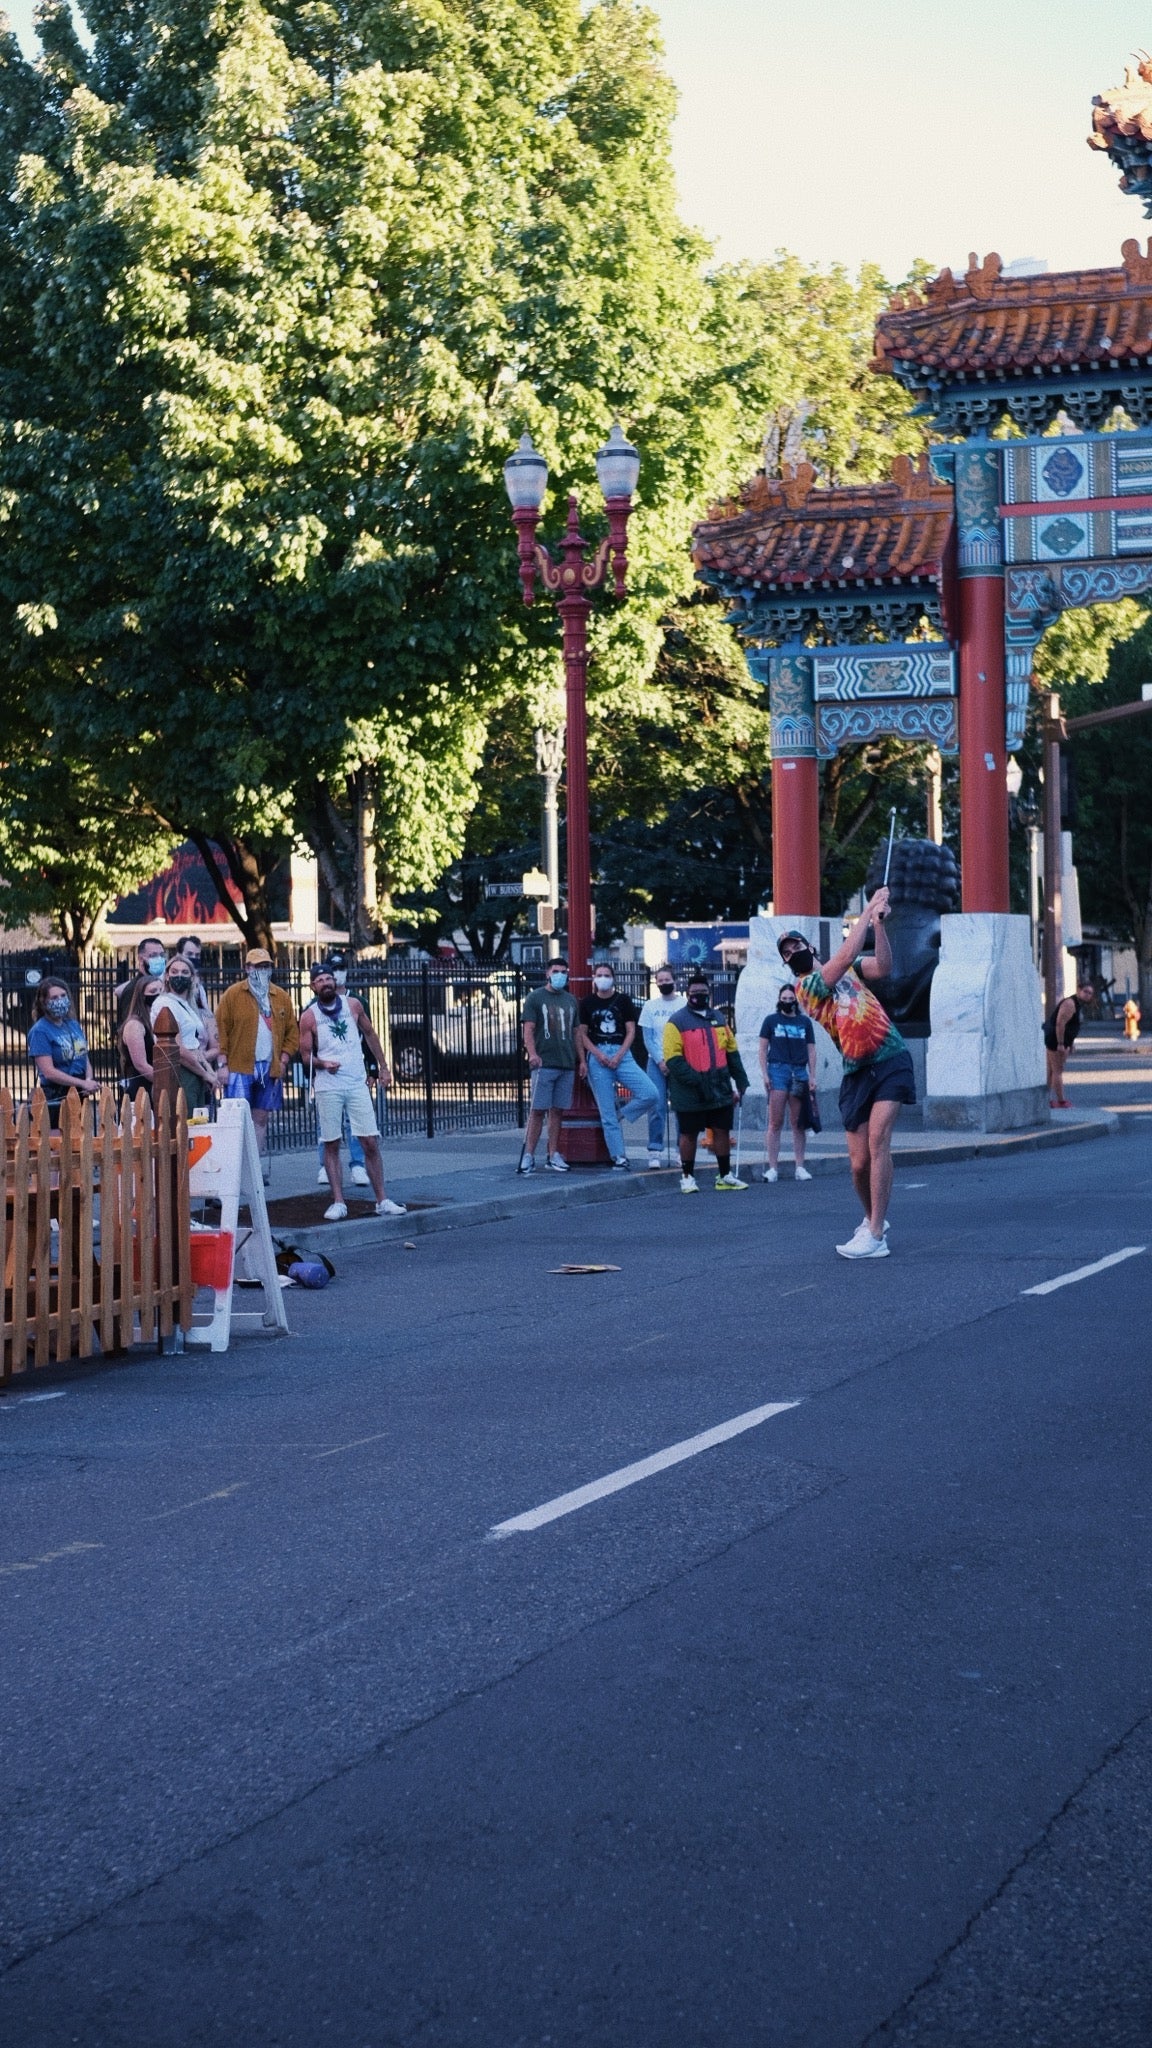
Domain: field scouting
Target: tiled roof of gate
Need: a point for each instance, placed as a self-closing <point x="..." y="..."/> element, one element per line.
<point x="988" y="325"/>
<point x="786" y="533"/>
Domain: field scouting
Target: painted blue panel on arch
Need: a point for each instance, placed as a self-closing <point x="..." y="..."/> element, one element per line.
<point x="848" y="675"/>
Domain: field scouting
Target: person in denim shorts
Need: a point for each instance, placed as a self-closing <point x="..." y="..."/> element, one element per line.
<point x="788" y="1064"/>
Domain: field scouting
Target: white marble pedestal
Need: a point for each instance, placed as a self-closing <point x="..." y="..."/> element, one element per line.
<point x="985" y="1067"/>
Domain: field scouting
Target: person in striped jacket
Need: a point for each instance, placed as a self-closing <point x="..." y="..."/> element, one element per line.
<point x="706" y="1080"/>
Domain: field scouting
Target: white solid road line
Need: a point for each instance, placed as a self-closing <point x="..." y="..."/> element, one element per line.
<point x="1130" y="1251"/>
<point x="628" y="1475"/>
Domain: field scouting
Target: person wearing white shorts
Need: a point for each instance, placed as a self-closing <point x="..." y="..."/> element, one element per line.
<point x="334" y="1029"/>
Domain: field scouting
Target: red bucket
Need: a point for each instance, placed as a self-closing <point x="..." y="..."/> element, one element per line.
<point x="210" y="1259"/>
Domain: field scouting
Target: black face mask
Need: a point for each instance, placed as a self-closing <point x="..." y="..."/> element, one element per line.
<point x="698" y="1000"/>
<point x="802" y="962"/>
<point x="787" y="1006"/>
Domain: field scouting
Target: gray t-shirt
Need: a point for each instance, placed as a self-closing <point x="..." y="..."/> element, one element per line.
<point x="552" y="1014"/>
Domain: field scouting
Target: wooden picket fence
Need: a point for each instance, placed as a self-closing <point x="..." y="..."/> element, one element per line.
<point x="95" y="1228"/>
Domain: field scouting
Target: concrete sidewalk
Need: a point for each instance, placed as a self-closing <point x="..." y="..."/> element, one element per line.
<point x="471" y="1177"/>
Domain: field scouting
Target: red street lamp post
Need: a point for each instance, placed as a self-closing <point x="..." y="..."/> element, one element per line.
<point x="570" y="580"/>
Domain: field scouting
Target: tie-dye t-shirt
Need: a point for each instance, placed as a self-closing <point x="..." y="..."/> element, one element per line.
<point x="855" y="1021"/>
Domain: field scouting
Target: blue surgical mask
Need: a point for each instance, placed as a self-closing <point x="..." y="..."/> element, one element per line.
<point x="558" y="978"/>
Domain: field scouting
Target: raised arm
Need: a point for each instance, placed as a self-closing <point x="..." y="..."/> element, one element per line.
<point x="850" y="948"/>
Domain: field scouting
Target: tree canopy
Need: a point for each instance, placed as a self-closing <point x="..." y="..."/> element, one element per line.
<point x="278" y="288"/>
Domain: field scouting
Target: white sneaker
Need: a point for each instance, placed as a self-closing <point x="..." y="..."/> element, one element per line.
<point x="802" y="1173"/>
<point x="390" y="1208"/>
<point x="360" y="1177"/>
<point x="864" y="1246"/>
<point x="322" y="1177"/>
<point x="556" y="1164"/>
<point x="620" y="1165"/>
<point x="688" y="1184"/>
<point x="867" y="1225"/>
<point x="655" y="1159"/>
<point x="527" y="1164"/>
<point x="335" y="1212"/>
<point x="727" y="1183"/>
<point x="771" y="1175"/>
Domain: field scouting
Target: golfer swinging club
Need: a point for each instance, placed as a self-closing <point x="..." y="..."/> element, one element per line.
<point x="878" y="1074"/>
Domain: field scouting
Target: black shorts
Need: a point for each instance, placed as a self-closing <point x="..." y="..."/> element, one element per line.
<point x="890" y="1080"/>
<point x="694" y="1122"/>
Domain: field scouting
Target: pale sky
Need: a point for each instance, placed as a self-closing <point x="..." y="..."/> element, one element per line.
<point x="891" y="129"/>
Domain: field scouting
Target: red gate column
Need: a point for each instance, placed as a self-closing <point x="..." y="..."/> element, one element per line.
<point x="795" y="788"/>
<point x="983" y="754"/>
<point x="795" y="836"/>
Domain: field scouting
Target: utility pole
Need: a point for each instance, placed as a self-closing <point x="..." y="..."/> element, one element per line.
<point x="549" y="764"/>
<point x="1055" y="729"/>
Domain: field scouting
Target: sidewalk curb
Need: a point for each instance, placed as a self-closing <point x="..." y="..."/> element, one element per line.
<point x="609" y="1187"/>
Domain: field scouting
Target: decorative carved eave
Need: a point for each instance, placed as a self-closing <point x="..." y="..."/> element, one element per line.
<point x="989" y="325"/>
<point x="788" y="532"/>
<point x="1122" y="126"/>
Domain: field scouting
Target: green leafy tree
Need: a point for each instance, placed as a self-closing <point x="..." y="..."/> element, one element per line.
<point x="280" y="286"/>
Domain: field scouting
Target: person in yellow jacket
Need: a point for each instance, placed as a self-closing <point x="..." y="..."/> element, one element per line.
<point x="258" y="1036"/>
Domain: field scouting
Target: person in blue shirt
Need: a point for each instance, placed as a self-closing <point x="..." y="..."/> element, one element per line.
<point x="788" y="1064"/>
<point x="58" y="1048"/>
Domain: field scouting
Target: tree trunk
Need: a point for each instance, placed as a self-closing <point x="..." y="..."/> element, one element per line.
<point x="80" y="928"/>
<point x="364" y="921"/>
<point x="249" y="875"/>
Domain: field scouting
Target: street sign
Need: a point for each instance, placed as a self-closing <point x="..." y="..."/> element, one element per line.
<point x="503" y="889"/>
<point x="535" y="883"/>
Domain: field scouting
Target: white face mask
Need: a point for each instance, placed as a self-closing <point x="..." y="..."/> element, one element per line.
<point x="603" y="987"/>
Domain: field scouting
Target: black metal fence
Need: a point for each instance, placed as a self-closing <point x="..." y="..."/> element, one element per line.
<point x="450" y="1030"/>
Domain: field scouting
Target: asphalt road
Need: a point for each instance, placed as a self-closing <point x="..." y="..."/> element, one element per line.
<point x="838" y="1731"/>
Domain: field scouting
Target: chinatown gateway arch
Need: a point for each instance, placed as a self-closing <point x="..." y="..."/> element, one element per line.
<point x="914" y="607"/>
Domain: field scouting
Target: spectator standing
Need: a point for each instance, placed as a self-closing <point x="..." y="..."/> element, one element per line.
<point x="338" y="962"/>
<point x="706" y="1080"/>
<point x="788" y="1064"/>
<point x="1060" y="1034"/>
<point x="135" y="1037"/>
<point x="189" y="949"/>
<point x="653" y="1017"/>
<point x="58" y="1048"/>
<point x="605" y="1033"/>
<point x="258" y="1036"/>
<point x="198" y="1037"/>
<point x="549" y="1021"/>
<point x="334" y="1029"/>
<point x="151" y="960"/>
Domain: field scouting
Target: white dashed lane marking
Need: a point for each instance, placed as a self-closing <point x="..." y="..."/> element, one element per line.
<point x="644" y="1468"/>
<point x="1130" y="1251"/>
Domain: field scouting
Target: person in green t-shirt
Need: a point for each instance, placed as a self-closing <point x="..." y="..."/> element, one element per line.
<point x="878" y="1073"/>
<point x="549" y="1021"/>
